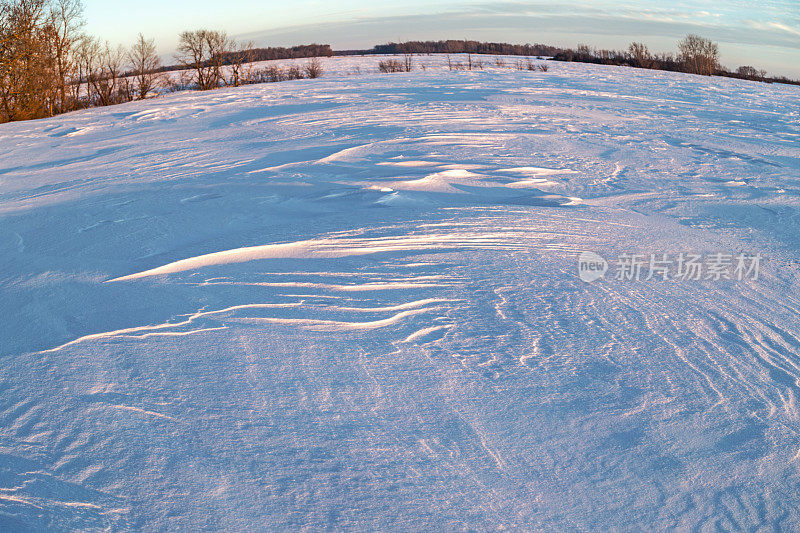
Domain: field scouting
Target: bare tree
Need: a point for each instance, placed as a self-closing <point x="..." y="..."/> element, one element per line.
<point x="408" y="62"/>
<point x="105" y="66"/>
<point x="26" y="63"/>
<point x="640" y="55"/>
<point x="585" y="50"/>
<point x="9" y="34"/>
<point x="241" y="57"/>
<point x="145" y="65"/>
<point x="87" y="52"/>
<point x="64" y="24"/>
<point x="699" y="55"/>
<point x="203" y="51"/>
<point x="48" y="66"/>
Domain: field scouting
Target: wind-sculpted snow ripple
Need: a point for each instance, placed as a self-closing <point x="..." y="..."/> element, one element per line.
<point x="353" y="304"/>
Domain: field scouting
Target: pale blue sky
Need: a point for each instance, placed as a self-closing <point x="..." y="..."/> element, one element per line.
<point x="764" y="33"/>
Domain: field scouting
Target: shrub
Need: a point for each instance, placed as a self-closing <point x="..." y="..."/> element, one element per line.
<point x="294" y="73"/>
<point x="525" y="64"/>
<point x="313" y="68"/>
<point x="390" y="65"/>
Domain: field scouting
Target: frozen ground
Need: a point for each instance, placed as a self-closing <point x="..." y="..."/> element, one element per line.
<point x="353" y="303"/>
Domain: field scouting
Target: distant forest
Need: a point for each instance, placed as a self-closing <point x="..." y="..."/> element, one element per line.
<point x="252" y="55"/>
<point x="459" y="47"/>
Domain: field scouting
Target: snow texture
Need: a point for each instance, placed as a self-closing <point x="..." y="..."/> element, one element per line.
<point x="353" y="304"/>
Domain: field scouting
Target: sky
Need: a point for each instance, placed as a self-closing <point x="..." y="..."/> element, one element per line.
<point x="765" y="34"/>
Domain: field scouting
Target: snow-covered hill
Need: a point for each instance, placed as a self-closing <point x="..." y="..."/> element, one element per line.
<point x="355" y="303"/>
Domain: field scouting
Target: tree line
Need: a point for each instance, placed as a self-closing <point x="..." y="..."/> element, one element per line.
<point x="462" y="47"/>
<point x="275" y="53"/>
<point x="49" y="65"/>
<point x="696" y="55"/>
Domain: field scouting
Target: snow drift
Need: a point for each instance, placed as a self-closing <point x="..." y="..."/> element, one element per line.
<point x="353" y="303"/>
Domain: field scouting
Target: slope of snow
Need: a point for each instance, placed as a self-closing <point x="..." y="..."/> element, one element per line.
<point x="354" y="303"/>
